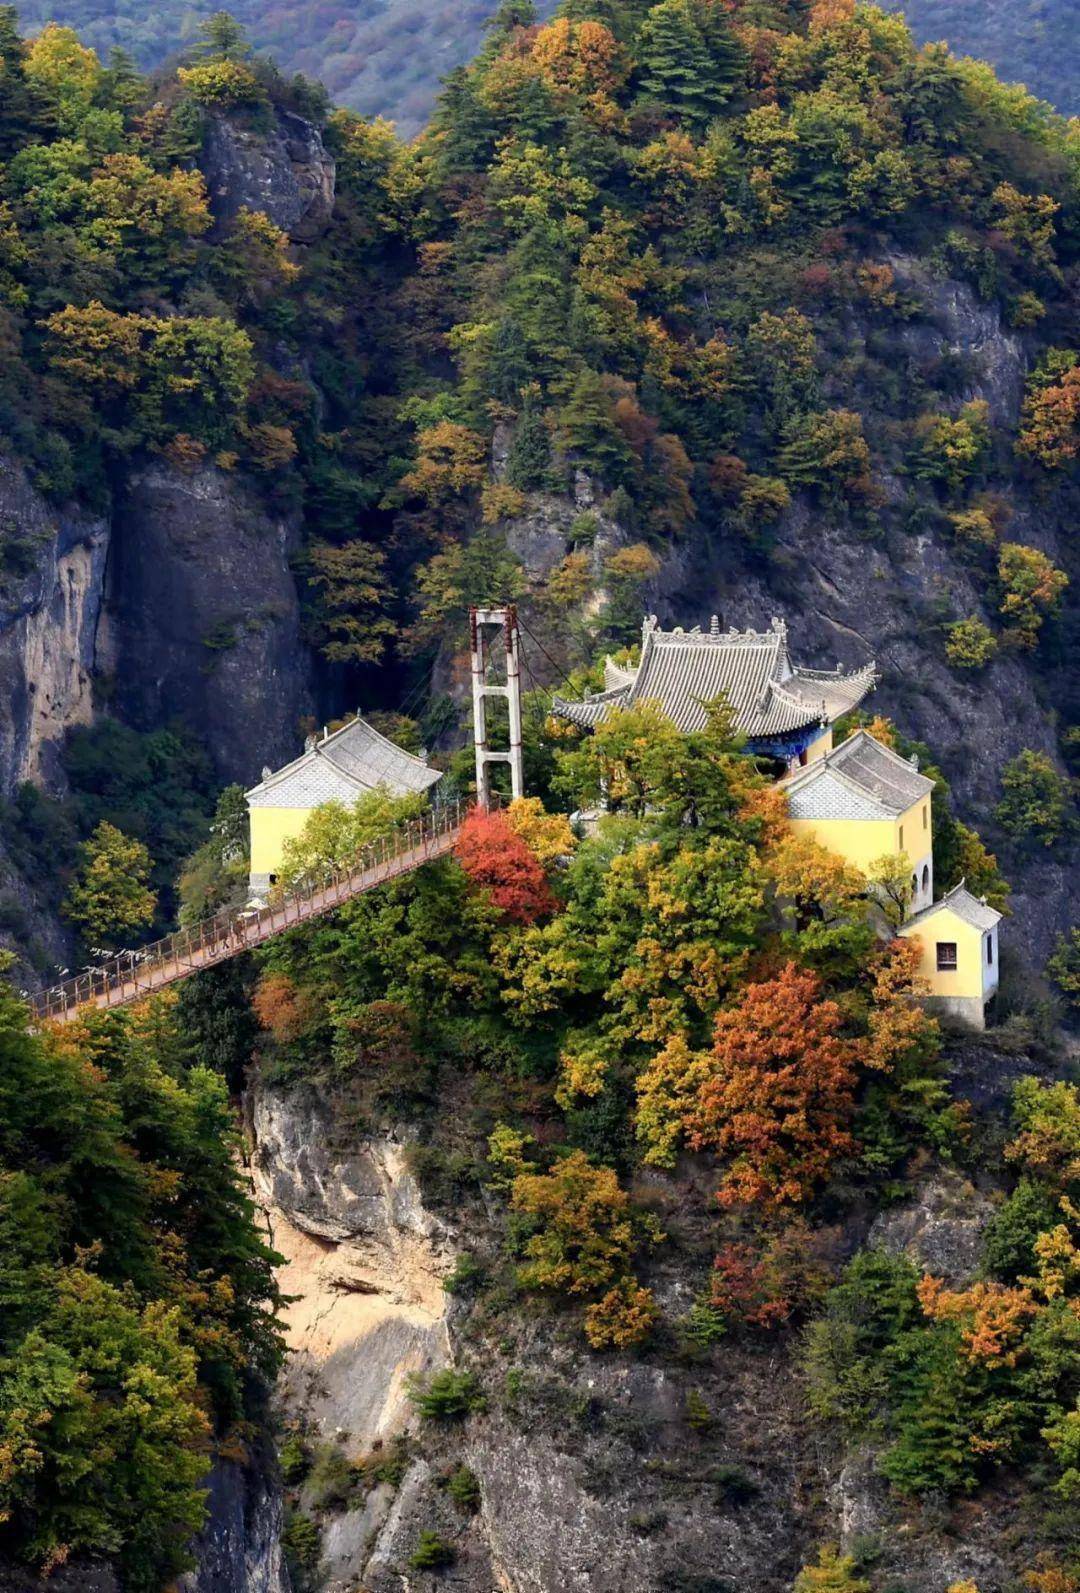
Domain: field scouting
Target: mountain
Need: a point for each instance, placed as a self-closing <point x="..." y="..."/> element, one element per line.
<point x="387" y="57"/>
<point x="628" y="1215"/>
<point x="1031" y="44"/>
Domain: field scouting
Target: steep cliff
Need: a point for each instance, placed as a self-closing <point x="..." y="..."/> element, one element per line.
<point x="202" y="619"/>
<point x="679" y="1468"/>
<point x="284" y="171"/>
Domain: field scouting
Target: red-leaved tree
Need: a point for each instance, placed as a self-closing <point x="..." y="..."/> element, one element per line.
<point x="499" y="861"/>
<point x="780" y="1101"/>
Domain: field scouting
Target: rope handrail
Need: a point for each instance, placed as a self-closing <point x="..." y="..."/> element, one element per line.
<point x="131" y="975"/>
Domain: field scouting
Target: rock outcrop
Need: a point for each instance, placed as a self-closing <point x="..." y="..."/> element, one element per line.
<point x="239" y="1549"/>
<point x="363" y="1266"/>
<point x="286" y="172"/>
<point x="51" y="592"/>
<point x="203" y="620"/>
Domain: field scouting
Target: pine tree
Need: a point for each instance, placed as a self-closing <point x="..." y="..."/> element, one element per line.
<point x="587" y="427"/>
<point x="529" y="459"/>
<point x="466" y="133"/>
<point x="222" y="38"/>
<point x="675" y="69"/>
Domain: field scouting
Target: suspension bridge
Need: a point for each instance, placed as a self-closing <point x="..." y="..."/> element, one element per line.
<point x="133" y="975"/>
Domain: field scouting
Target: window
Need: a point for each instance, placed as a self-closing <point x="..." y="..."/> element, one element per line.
<point x="926" y="877"/>
<point x="990" y="949"/>
<point x="901" y="838"/>
<point x="925" y="816"/>
<point x="914" y="885"/>
<point x="946" y="956"/>
<point x="803" y="759"/>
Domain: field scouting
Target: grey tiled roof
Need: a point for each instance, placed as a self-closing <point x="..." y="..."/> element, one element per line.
<point x="831" y="796"/>
<point x="683" y="670"/>
<point x="871" y="774"/>
<point x="972" y="909"/>
<point x="342" y="767"/>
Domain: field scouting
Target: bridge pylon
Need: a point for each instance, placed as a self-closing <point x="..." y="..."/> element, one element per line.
<point x="484" y="651"/>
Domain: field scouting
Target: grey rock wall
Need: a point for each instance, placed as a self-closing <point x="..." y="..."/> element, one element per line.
<point x="286" y="172"/>
<point x="202" y="620"/>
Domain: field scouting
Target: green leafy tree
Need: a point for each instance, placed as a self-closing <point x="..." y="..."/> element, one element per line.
<point x="676" y="69"/>
<point x="1036" y="803"/>
<point x="970" y="644"/>
<point x="1064" y="966"/>
<point x="110" y="897"/>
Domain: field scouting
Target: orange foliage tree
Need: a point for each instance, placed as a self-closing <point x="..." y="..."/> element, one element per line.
<point x="500" y="862"/>
<point x="781" y="1097"/>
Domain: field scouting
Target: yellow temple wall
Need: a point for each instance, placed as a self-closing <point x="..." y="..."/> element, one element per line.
<point x="862" y="842"/>
<point x="270" y="829"/>
<point x="968" y="980"/>
<point x="818" y="749"/>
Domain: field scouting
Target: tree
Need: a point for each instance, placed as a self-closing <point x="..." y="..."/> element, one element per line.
<point x="529" y="459"/>
<point x="334" y="833"/>
<point x="354" y="596"/>
<point x="834" y="1573"/>
<point x="110" y="897"/>
<point x="780" y="1099"/>
<point x="1036" y="802"/>
<point x="589" y="429"/>
<point x="585" y="1231"/>
<point x="498" y="861"/>
<point x="970" y="644"/>
<point x="951" y="450"/>
<point x="222" y="38"/>
<point x="1032" y="587"/>
<point x="828" y="451"/>
<point x="674" y="64"/>
<point x="1051" y="420"/>
<point x="1064" y="966"/>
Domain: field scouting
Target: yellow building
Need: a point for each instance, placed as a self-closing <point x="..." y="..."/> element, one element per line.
<point x="339" y="767"/>
<point x="864" y="802"/>
<point x="959" y="940"/>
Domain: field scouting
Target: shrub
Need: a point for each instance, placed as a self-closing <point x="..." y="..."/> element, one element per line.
<point x="1064" y="966"/>
<point x="294" y="1458"/>
<point x="463" y="1487"/>
<point x="970" y="644"/>
<point x="1037" y="800"/>
<point x="1031" y="589"/>
<point x="834" y="1573"/>
<point x="448" y="1396"/>
<point x="432" y="1553"/>
<point x="623" y="1318"/>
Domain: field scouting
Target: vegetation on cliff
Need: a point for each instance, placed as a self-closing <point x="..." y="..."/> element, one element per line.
<point x="659" y="256"/>
<point x="134" y="1293"/>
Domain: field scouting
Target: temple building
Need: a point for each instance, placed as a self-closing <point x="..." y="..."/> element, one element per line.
<point x="339" y="767"/>
<point x="784" y="710"/>
<point x="959" y="940"/>
<point x="864" y="802"/>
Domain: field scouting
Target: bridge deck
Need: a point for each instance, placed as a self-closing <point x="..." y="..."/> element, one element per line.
<point x="134" y="975"/>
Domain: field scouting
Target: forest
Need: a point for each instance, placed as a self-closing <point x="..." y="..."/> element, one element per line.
<point x="658" y="253"/>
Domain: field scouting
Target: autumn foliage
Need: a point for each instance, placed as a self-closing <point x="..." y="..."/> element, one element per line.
<point x="499" y="861"/>
<point x="780" y="1100"/>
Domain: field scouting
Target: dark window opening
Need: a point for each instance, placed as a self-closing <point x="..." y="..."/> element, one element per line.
<point x="989" y="948"/>
<point x="272" y="878"/>
<point x="926" y="877"/>
<point x="946" y="955"/>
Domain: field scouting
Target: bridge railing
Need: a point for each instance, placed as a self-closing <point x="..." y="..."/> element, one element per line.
<point x="131" y="974"/>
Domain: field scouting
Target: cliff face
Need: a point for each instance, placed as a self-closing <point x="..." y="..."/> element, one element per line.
<point x="50" y="605"/>
<point x="285" y="172"/>
<point x="850" y="597"/>
<point x="592" y="1476"/>
<point x="203" y="617"/>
